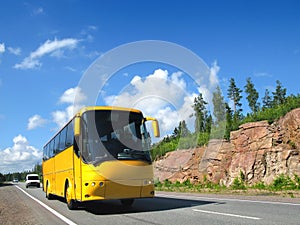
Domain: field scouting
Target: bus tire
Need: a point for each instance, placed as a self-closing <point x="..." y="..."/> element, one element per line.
<point x="48" y="195"/>
<point x="71" y="203"/>
<point x="127" y="202"/>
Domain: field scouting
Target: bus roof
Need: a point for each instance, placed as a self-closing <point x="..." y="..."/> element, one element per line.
<point x="112" y="108"/>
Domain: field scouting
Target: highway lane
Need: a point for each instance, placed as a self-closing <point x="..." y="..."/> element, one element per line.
<point x="172" y="208"/>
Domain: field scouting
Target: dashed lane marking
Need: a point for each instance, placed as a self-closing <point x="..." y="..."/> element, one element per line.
<point x="227" y="214"/>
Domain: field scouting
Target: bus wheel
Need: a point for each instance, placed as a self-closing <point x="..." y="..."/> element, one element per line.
<point x="127" y="202"/>
<point x="71" y="203"/>
<point x="48" y="195"/>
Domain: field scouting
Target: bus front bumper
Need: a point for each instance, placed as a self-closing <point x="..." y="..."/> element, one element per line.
<point x="121" y="189"/>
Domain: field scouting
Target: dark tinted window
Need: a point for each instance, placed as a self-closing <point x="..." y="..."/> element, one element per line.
<point x="51" y="148"/>
<point x="32" y="178"/>
<point x="45" y="152"/>
<point x="62" y="139"/>
<point x="56" y="144"/>
<point x="70" y="135"/>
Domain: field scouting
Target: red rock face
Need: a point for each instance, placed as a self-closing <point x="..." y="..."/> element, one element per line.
<point x="258" y="150"/>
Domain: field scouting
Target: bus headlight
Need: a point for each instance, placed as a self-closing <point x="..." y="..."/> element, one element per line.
<point x="93" y="184"/>
<point x="148" y="182"/>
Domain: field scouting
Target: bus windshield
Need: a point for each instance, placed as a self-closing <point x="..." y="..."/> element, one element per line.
<point x="114" y="134"/>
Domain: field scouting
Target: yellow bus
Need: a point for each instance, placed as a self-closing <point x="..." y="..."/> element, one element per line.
<point x="102" y="153"/>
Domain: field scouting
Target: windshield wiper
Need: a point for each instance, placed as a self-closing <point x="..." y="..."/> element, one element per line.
<point x="134" y="154"/>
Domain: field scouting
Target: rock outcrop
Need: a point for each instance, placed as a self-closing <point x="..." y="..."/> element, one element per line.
<point x="258" y="150"/>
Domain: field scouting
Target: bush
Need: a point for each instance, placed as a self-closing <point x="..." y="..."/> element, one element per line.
<point x="187" y="183"/>
<point x="173" y="143"/>
<point x="274" y="113"/>
<point x="261" y="186"/>
<point x="158" y="184"/>
<point x="203" y="139"/>
<point x="283" y="182"/>
<point x="167" y="183"/>
<point x="297" y="182"/>
<point x="238" y="184"/>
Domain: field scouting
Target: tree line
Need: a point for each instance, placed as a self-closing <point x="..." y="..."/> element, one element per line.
<point x="21" y="176"/>
<point x="227" y="115"/>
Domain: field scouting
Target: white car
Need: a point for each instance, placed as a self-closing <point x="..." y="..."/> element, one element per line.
<point x="33" y="180"/>
<point x="15" y="180"/>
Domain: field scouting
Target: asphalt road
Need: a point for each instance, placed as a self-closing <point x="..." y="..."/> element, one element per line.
<point x="165" y="208"/>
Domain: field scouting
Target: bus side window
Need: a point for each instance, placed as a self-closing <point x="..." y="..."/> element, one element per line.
<point x="45" y="152"/>
<point x="70" y="135"/>
<point x="51" y="149"/>
<point x="62" y="139"/>
<point x="56" y="144"/>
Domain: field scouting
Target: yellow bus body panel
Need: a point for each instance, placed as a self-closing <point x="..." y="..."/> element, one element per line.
<point x="64" y="170"/>
<point x="117" y="179"/>
<point x="48" y="175"/>
<point x="57" y="170"/>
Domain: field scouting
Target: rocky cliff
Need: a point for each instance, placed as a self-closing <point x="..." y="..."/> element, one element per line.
<point x="258" y="150"/>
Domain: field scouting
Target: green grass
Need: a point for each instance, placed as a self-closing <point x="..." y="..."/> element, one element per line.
<point x="283" y="185"/>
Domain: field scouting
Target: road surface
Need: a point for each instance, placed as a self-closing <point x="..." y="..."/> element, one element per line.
<point x="165" y="208"/>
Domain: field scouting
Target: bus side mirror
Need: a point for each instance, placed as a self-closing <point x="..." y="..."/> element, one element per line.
<point x="77" y="126"/>
<point x="155" y="127"/>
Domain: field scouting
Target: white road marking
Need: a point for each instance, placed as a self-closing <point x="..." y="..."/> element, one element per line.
<point x="227" y="214"/>
<point x="224" y="199"/>
<point x="63" y="218"/>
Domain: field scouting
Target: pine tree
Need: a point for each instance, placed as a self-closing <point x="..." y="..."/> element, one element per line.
<point x="279" y="96"/>
<point x="2" y="178"/>
<point x="252" y="96"/>
<point x="219" y="106"/>
<point x="201" y="113"/>
<point x="234" y="94"/>
<point x="208" y="123"/>
<point x="228" y="122"/>
<point x="176" y="132"/>
<point x="181" y="130"/>
<point x="184" y="130"/>
<point x="267" y="100"/>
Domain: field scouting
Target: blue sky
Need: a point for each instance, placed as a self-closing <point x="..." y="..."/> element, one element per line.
<point x="46" y="47"/>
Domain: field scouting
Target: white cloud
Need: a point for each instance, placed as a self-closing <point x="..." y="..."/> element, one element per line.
<point x="262" y="74"/>
<point x="86" y="33"/>
<point x="53" y="48"/>
<point x="165" y="96"/>
<point x="72" y="95"/>
<point x="60" y="117"/>
<point x="159" y="95"/>
<point x="38" y="11"/>
<point x="70" y="69"/>
<point x="92" y="27"/>
<point x="151" y="94"/>
<point x="35" y="122"/>
<point x="213" y="78"/>
<point x="20" y="157"/>
<point x="74" y="98"/>
<point x="208" y="88"/>
<point x="58" y="54"/>
<point x="15" y="51"/>
<point x="2" y="48"/>
<point x="168" y="118"/>
<point x="93" y="54"/>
